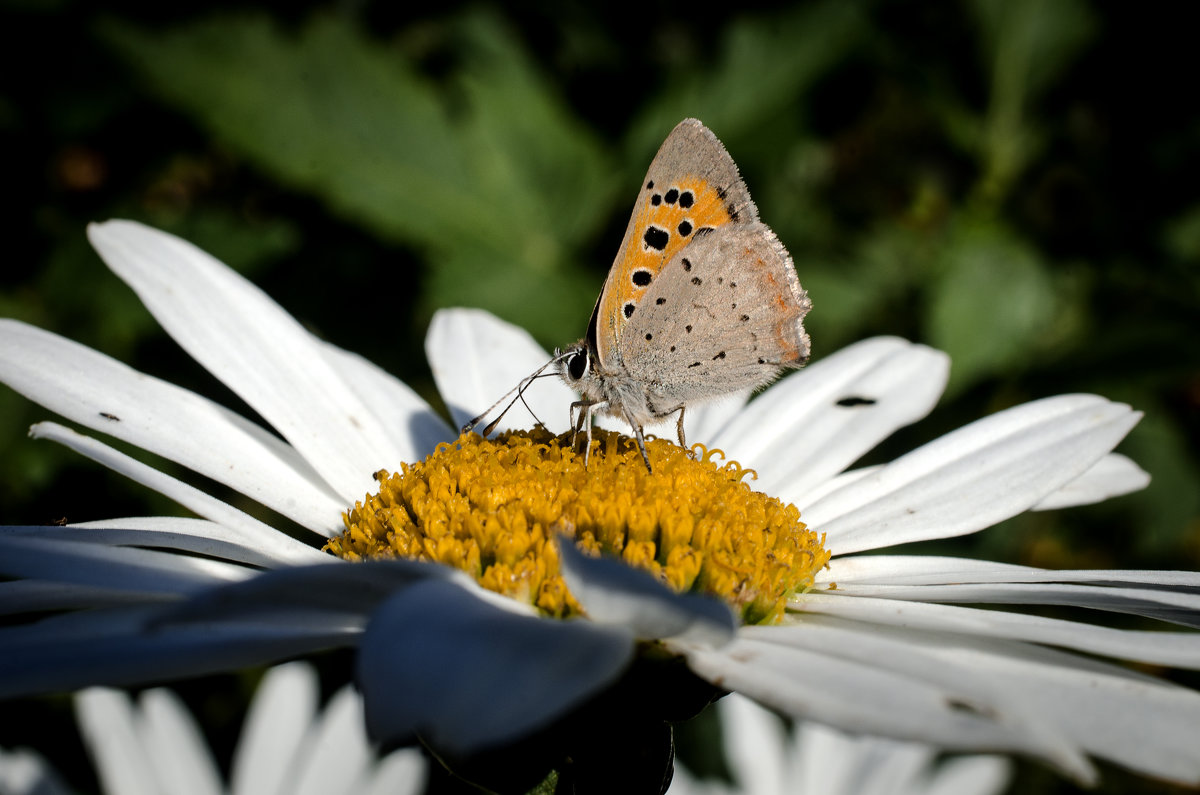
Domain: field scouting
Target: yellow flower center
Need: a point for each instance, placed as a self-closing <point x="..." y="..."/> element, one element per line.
<point x="492" y="508"/>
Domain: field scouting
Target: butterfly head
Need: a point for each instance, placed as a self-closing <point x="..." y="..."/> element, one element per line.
<point x="576" y="365"/>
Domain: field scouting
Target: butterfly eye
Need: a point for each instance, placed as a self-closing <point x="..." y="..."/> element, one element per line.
<point x="577" y="365"/>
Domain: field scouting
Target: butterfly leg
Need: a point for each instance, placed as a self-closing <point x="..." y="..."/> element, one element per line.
<point x="679" y="429"/>
<point x="641" y="443"/>
<point x="576" y="422"/>
<point x="583" y="422"/>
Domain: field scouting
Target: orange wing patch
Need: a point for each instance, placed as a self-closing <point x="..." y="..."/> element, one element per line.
<point x="785" y="327"/>
<point x="668" y="217"/>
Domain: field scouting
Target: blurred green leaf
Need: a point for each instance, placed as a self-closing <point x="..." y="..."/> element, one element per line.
<point x="850" y="295"/>
<point x="548" y="786"/>
<point x="1182" y="236"/>
<point x="760" y="67"/>
<point x="1028" y="43"/>
<point x="503" y="189"/>
<point x="1169" y="509"/>
<point x="990" y="303"/>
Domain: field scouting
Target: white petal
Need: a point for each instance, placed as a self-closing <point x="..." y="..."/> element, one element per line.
<point x="279" y="717"/>
<point x="402" y="772"/>
<point x="815" y="423"/>
<point x="256" y="348"/>
<point x="918" y="570"/>
<point x="703" y="423"/>
<point x="615" y="594"/>
<point x="124" y="646"/>
<point x="176" y="749"/>
<point x="875" y="696"/>
<point x="108" y="396"/>
<point x="119" y="568"/>
<point x="335" y="594"/>
<point x="825" y="759"/>
<point x="106" y="721"/>
<point x="940" y="570"/>
<point x="1143" y="723"/>
<point x="190" y="535"/>
<point x="23" y="771"/>
<point x="685" y="783"/>
<point x="467" y="674"/>
<point x="31" y="596"/>
<point x="814" y="494"/>
<point x="1165" y="605"/>
<point x="335" y="754"/>
<point x="1180" y="649"/>
<point x="832" y="761"/>
<point x="413" y="427"/>
<point x="970" y="775"/>
<point x="1111" y="476"/>
<point x="887" y="766"/>
<point x="974" y="477"/>
<point x="1152" y="728"/>
<point x="755" y="747"/>
<point x="476" y="358"/>
<point x="1166" y="595"/>
<point x="249" y="530"/>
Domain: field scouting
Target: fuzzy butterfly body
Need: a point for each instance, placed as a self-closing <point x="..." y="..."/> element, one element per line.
<point x="702" y="299"/>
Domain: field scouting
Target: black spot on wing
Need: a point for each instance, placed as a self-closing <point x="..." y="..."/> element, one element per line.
<point x="685" y="228"/>
<point x="628" y="309"/>
<point x="656" y="238"/>
<point x="856" y="400"/>
<point x="671" y="196"/>
<point x="642" y="278"/>
<point x="686" y="199"/>
<point x="687" y="264"/>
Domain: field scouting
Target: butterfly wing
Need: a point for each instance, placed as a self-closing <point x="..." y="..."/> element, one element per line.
<point x="692" y="185"/>
<point x="725" y="313"/>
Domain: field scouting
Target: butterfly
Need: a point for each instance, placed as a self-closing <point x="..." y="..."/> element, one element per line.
<point x="702" y="299"/>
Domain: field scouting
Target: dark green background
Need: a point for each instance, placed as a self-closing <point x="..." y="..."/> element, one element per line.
<point x="1012" y="182"/>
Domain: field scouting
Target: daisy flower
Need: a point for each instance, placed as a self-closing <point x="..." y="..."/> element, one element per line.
<point x="703" y="585"/>
<point x="288" y="746"/>
<point x="765" y="758"/>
